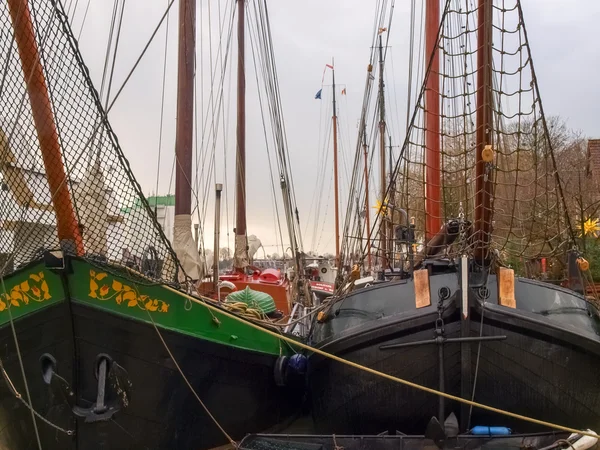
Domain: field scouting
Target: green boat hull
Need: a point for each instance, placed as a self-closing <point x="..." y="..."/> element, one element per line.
<point x="84" y="315"/>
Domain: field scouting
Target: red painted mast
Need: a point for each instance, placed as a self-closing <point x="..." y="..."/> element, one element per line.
<point x="433" y="221"/>
<point x="483" y="183"/>
<point x="241" y="245"/>
<point x="185" y="107"/>
<point x="41" y="110"/>
<point x="335" y="176"/>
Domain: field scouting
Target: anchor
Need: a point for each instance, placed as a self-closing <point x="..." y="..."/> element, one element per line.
<point x="108" y="401"/>
<point x="57" y="383"/>
<point x="440" y="340"/>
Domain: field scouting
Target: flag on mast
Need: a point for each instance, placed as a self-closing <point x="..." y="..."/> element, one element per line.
<point x="325" y="70"/>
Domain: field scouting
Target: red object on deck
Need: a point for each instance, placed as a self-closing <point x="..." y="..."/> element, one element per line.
<point x="270" y="276"/>
<point x="320" y="286"/>
<point x="268" y="281"/>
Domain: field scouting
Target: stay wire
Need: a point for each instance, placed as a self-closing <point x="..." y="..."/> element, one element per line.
<point x="162" y="110"/>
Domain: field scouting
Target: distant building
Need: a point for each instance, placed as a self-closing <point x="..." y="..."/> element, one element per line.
<point x="593" y="158"/>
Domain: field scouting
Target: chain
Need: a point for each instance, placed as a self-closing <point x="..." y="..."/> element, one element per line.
<point x="19" y="397"/>
<point x="439" y="322"/>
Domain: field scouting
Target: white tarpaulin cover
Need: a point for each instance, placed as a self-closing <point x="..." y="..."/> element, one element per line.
<point x="253" y="245"/>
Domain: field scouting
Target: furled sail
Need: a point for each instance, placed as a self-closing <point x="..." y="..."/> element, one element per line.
<point x="186" y="248"/>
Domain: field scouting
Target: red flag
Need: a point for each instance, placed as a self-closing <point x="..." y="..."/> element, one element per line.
<point x="329" y="65"/>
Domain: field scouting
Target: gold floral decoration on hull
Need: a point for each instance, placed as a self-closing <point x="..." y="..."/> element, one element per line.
<point x="34" y="289"/>
<point x="103" y="288"/>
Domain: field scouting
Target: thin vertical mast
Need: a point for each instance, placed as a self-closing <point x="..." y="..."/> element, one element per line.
<point x="432" y="122"/>
<point x="335" y="175"/>
<point x="391" y="203"/>
<point x="383" y="180"/>
<point x="483" y="184"/>
<point x="367" y="214"/>
<point x="217" y="241"/>
<point x="241" y="244"/>
<point x="41" y="110"/>
<point x="185" y="107"/>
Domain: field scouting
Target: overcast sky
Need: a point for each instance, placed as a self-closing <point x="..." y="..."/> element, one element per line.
<point x="307" y="34"/>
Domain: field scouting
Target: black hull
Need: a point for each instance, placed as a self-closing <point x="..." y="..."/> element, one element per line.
<point x="237" y="386"/>
<point x="543" y="369"/>
<point x="48" y="331"/>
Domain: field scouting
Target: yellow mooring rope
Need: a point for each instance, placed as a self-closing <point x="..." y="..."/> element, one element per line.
<point x="385" y="375"/>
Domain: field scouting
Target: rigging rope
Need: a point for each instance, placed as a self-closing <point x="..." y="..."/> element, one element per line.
<point x="162" y="111"/>
<point x="206" y="410"/>
<point x="207" y="303"/>
<point x="28" y="403"/>
<point x="527" y="195"/>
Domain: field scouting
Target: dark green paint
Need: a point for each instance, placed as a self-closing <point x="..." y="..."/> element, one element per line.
<point x="182" y="316"/>
<point x="55" y="289"/>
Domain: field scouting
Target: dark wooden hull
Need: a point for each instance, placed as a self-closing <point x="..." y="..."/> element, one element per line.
<point x="545" y="368"/>
<point x="48" y="331"/>
<point x="237" y="385"/>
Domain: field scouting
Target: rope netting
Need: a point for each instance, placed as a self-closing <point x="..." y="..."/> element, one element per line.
<point x="526" y="209"/>
<point x="60" y="158"/>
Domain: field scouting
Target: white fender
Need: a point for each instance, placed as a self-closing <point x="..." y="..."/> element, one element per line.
<point x="584" y="442"/>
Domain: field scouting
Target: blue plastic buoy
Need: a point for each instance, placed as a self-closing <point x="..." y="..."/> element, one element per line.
<point x="481" y="430"/>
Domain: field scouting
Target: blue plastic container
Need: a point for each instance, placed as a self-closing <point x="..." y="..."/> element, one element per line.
<point x="481" y="430"/>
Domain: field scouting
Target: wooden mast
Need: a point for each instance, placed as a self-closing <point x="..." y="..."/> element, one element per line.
<point x="335" y="175"/>
<point x="185" y="107"/>
<point x="241" y="245"/>
<point x="483" y="183"/>
<point x="41" y="110"/>
<point x="433" y="221"/>
<point x="367" y="214"/>
<point x="383" y="179"/>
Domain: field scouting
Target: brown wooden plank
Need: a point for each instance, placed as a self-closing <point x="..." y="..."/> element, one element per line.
<point x="422" y="294"/>
<point x="506" y="287"/>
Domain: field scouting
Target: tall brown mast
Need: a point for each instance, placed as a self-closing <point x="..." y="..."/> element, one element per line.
<point x="41" y="110"/>
<point x="383" y="179"/>
<point x="367" y="214"/>
<point x="483" y="183"/>
<point x="433" y="221"/>
<point x="241" y="245"/>
<point x="185" y="107"/>
<point x="335" y="175"/>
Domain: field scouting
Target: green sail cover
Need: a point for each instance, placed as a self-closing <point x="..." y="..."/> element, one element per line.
<point x="254" y="299"/>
